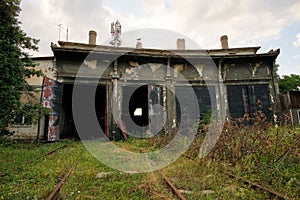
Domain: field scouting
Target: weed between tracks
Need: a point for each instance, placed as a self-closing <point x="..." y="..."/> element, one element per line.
<point x="266" y="155"/>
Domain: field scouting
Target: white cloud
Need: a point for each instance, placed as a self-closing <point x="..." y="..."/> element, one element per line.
<point x="247" y="23"/>
<point x="296" y="56"/>
<point x="297" y="42"/>
<point x="40" y="20"/>
<point x="243" y="21"/>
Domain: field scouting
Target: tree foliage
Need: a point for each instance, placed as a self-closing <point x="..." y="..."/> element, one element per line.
<point x="291" y="82"/>
<point x="14" y="61"/>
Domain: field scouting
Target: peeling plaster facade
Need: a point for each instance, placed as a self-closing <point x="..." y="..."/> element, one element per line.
<point x="139" y="85"/>
<point x="154" y="77"/>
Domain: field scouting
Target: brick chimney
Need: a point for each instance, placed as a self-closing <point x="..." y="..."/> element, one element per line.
<point x="139" y="43"/>
<point x="224" y="42"/>
<point x="180" y="44"/>
<point x="92" y="37"/>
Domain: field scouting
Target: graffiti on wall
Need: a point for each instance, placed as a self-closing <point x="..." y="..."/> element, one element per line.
<point x="52" y="99"/>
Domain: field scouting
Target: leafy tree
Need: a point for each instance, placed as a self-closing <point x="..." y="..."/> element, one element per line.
<point x="14" y="61"/>
<point x="287" y="83"/>
<point x="276" y="68"/>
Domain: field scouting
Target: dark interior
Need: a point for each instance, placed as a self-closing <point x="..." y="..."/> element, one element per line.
<point x="206" y="103"/>
<point x="134" y="98"/>
<point x="100" y="105"/>
<point x="248" y="99"/>
<point x="69" y="130"/>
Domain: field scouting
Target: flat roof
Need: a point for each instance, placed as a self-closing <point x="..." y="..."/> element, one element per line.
<point x="230" y="52"/>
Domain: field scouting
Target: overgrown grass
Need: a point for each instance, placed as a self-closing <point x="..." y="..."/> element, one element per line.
<point x="261" y="152"/>
<point x="269" y="156"/>
<point x="37" y="180"/>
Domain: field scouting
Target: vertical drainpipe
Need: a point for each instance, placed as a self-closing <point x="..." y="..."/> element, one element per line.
<point x="115" y="106"/>
<point x="222" y="93"/>
<point x="169" y="105"/>
<point x="106" y="110"/>
<point x="275" y="106"/>
<point x="223" y="96"/>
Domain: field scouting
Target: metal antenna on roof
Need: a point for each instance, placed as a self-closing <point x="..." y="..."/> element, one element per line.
<point x="60" y="27"/>
<point x="59" y="30"/>
<point x="67" y="36"/>
<point x="116" y="34"/>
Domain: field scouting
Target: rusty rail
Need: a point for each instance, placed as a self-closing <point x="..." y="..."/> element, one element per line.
<point x="177" y="192"/>
<point x="257" y="185"/>
<point x="284" y="155"/>
<point x="47" y="154"/>
<point x="54" y="195"/>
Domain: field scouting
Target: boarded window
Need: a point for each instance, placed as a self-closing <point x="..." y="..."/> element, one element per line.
<point x="206" y="97"/>
<point x="248" y="99"/>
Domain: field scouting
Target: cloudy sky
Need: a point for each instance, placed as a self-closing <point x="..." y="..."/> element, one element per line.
<point x="269" y="24"/>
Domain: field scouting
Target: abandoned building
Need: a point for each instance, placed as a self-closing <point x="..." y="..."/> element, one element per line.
<point x="131" y="82"/>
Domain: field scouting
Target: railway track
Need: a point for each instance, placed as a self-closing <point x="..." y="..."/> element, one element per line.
<point x="257" y="185"/>
<point x="54" y="195"/>
<point x="174" y="189"/>
<point x="253" y="185"/>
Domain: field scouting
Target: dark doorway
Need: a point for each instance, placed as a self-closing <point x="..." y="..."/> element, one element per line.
<point x="46" y="126"/>
<point x="135" y="108"/>
<point x="68" y="129"/>
<point x="138" y="106"/>
<point x="67" y="121"/>
<point x="100" y="106"/>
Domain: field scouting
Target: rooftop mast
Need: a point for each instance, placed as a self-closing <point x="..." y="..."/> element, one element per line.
<point x="115" y="34"/>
